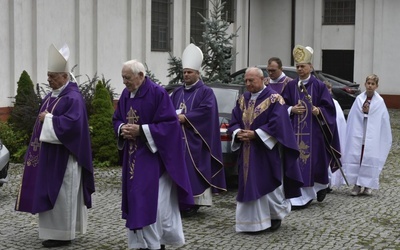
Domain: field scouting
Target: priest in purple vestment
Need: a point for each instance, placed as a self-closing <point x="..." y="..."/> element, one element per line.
<point x="154" y="176"/>
<point x="269" y="173"/>
<point x="315" y="141"/>
<point x="197" y="110"/>
<point x="58" y="176"/>
<point x="276" y="79"/>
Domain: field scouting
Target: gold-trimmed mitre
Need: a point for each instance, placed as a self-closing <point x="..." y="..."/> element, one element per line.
<point x="302" y="54"/>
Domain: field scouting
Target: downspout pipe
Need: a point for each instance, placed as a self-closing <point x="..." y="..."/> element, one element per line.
<point x="293" y="30"/>
<point x="248" y="34"/>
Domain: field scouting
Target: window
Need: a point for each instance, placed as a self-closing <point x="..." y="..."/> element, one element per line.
<point x="228" y="12"/>
<point x="160" y="25"/>
<point x="196" y="28"/>
<point x="339" y="12"/>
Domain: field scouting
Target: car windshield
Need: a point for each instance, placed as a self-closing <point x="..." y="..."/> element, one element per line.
<point x="226" y="99"/>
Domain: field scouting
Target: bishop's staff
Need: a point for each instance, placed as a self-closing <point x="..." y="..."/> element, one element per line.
<point x="321" y="124"/>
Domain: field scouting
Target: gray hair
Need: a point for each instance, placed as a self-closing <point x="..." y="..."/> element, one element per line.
<point x="135" y="66"/>
<point x="257" y="70"/>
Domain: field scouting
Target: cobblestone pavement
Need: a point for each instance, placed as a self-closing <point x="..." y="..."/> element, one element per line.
<point x="339" y="222"/>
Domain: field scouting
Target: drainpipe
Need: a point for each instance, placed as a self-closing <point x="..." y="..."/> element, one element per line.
<point x="248" y="35"/>
<point x="293" y="30"/>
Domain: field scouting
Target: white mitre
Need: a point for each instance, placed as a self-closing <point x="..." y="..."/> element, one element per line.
<point x="192" y="57"/>
<point x="58" y="59"/>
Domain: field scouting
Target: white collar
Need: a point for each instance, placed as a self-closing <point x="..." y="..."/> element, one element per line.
<point x="277" y="79"/>
<point x="305" y="81"/>
<point x="58" y="91"/>
<point x="191" y="85"/>
<point x="255" y="95"/>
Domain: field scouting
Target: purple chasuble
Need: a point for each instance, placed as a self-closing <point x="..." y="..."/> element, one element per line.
<point x="262" y="170"/>
<point x="314" y="157"/>
<point x="141" y="168"/>
<point x="45" y="163"/>
<point x="203" y="151"/>
<point x="278" y="86"/>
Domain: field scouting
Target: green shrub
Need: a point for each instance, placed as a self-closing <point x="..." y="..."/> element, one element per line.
<point x="104" y="145"/>
<point x="26" y="107"/>
<point x="15" y="141"/>
<point x="88" y="89"/>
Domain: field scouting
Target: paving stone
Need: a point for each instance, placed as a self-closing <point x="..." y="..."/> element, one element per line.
<point x="340" y="222"/>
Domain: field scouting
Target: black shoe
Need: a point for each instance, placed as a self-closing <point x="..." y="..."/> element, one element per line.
<point x="275" y="224"/>
<point x="329" y="190"/>
<point x="162" y="247"/>
<point x="55" y="243"/>
<point x="321" y="194"/>
<point x="190" y="212"/>
<point x="302" y="207"/>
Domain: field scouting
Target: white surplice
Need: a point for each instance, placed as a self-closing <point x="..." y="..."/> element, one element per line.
<point x="375" y="128"/>
<point x="336" y="179"/>
<point x="167" y="230"/>
<point x="69" y="215"/>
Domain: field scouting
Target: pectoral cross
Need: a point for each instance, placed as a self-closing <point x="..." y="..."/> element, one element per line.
<point x="182" y="106"/>
<point x="132" y="117"/>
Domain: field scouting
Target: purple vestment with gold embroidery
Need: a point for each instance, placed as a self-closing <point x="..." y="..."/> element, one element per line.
<point x="141" y="168"/>
<point x="45" y="163"/>
<point x="261" y="170"/>
<point x="314" y="157"/>
<point x="203" y="151"/>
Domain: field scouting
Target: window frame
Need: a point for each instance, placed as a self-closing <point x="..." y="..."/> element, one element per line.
<point x="339" y="12"/>
<point x="196" y="28"/>
<point x="161" y="20"/>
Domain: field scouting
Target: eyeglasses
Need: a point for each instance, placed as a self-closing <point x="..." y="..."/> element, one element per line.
<point x="271" y="70"/>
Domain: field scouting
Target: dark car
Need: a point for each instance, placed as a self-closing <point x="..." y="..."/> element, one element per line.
<point x="4" y="163"/>
<point x="345" y="92"/>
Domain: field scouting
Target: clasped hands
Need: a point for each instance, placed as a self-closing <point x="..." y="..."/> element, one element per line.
<point x="42" y="115"/>
<point x="299" y="109"/>
<point x="246" y="135"/>
<point x="130" y="131"/>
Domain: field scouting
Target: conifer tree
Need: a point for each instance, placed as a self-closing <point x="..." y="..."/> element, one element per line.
<point x="175" y="70"/>
<point x="151" y="75"/>
<point x="102" y="134"/>
<point x="217" y="49"/>
<point x="217" y="45"/>
<point x="26" y="107"/>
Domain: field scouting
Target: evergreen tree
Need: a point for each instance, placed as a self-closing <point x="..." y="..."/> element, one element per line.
<point x="102" y="134"/>
<point x="88" y="88"/>
<point x="217" y="49"/>
<point x="217" y="45"/>
<point x="26" y="107"/>
<point x="175" y="70"/>
<point x="151" y="75"/>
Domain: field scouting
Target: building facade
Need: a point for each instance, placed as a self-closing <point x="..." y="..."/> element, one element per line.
<point x="351" y="38"/>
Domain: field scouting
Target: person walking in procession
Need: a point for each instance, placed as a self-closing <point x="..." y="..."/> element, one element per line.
<point x="313" y="117"/>
<point x="269" y="172"/>
<point x="154" y="176"/>
<point x="276" y="79"/>
<point x="197" y="110"/>
<point x="58" y="178"/>
<point x="369" y="139"/>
